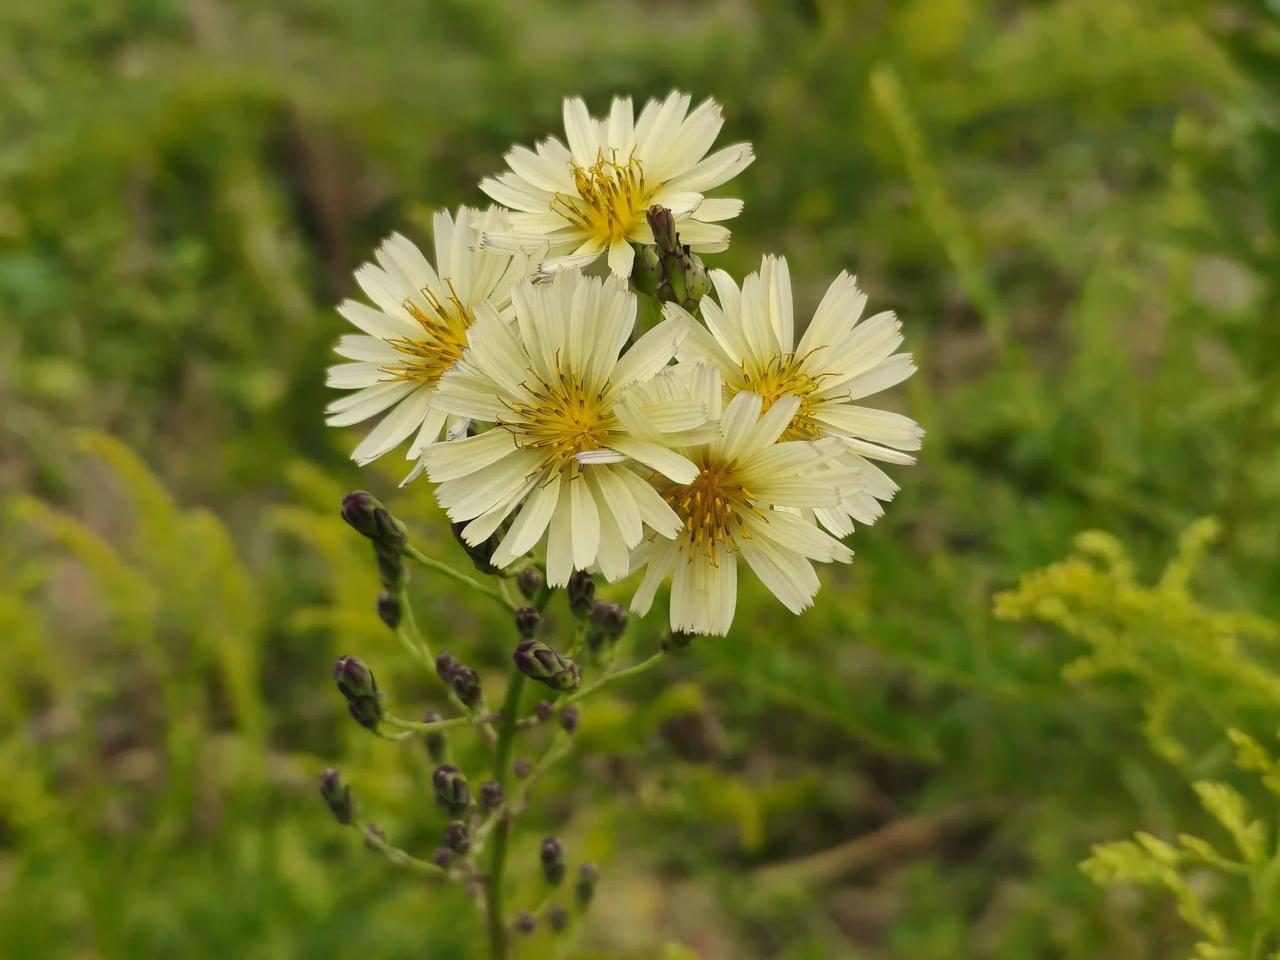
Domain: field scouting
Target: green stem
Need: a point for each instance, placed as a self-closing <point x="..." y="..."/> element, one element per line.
<point x="498" y="861"/>
<point x="398" y="856"/>
<point x="630" y="671"/>
<point x="414" y="725"/>
<point x="460" y="577"/>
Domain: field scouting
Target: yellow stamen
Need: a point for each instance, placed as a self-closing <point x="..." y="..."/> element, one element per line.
<point x="612" y="197"/>
<point x="444" y="325"/>
<point x="714" y="508"/>
<point x="562" y="418"/>
<point x="782" y="377"/>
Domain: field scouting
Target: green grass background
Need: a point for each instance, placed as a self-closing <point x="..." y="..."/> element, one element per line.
<point x="1073" y="206"/>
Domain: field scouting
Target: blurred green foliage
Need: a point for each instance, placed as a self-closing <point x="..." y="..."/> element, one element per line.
<point x="1071" y="204"/>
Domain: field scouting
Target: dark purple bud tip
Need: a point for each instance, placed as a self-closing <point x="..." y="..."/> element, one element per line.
<point x="552" y="856"/>
<point x="389" y="609"/>
<point x="543" y="710"/>
<point x="442" y="858"/>
<point x="490" y="795"/>
<point x="581" y="591"/>
<point x="358" y="509"/>
<point x="457" y="837"/>
<point x="569" y="717"/>
<point x="446" y="663"/>
<point x="526" y="619"/>
<point x="558" y="918"/>
<point x="337" y="795"/>
<point x="522" y="767"/>
<point x="585" y="888"/>
<point x="663" y="225"/>
<point x="525" y="923"/>
<point x="529" y="582"/>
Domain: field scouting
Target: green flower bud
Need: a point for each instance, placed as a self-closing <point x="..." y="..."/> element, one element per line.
<point x="366" y="514"/>
<point x="684" y="279"/>
<point x="646" y="272"/>
<point x="552" y="857"/>
<point x="466" y="684"/>
<point x="585" y="888"/>
<point x="354" y="678"/>
<point x="453" y="793"/>
<point x="338" y="796"/>
<point x="537" y="661"/>
<point x="366" y="711"/>
<point x="442" y="858"/>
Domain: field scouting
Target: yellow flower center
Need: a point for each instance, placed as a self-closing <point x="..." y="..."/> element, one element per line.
<point x="444" y="325"/>
<point x="612" y="198"/>
<point x="562" y="418"/>
<point x="714" y="508"/>
<point x="782" y="377"/>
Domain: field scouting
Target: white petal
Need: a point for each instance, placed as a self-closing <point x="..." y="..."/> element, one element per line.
<point x="394" y="427"/>
<point x="530" y="523"/>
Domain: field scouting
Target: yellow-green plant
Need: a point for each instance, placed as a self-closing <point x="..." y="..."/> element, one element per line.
<point x="1202" y="675"/>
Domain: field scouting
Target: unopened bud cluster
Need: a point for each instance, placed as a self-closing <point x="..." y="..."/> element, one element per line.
<point x="668" y="270"/>
<point x="538" y="661"/>
<point x="366" y="514"/>
<point x="356" y="683"/>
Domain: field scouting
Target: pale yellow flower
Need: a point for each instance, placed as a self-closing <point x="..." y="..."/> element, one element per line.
<point x="590" y="198"/>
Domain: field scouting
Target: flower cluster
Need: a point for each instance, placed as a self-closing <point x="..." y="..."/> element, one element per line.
<point x="543" y="409"/>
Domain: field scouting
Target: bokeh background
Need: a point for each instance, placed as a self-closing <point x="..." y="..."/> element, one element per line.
<point x="1074" y="207"/>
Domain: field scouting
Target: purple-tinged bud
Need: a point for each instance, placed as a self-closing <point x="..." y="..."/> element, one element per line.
<point x="354" y="678"/>
<point x="481" y="553"/>
<point x="457" y="837"/>
<point x="581" y="591"/>
<point x="356" y="683"/>
<point x="552" y="857"/>
<point x="537" y="661"/>
<point x="558" y="918"/>
<point x="663" y="225"/>
<point x="525" y="923"/>
<point x="442" y="858"/>
<point x="585" y="887"/>
<point x="446" y="663"/>
<point x="527" y="621"/>
<point x="466" y="684"/>
<point x="435" y="740"/>
<point x="605" y="625"/>
<point x="453" y="793"/>
<point x="522" y="767"/>
<point x="569" y="719"/>
<point x="530" y="583"/>
<point x="389" y="609"/>
<point x="490" y="796"/>
<point x="338" y="796"/>
<point x="543" y="710"/>
<point x="364" y="512"/>
<point x="646" y="271"/>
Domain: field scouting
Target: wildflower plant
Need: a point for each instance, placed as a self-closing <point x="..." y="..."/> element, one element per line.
<point x="1208" y="688"/>
<point x="569" y="443"/>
